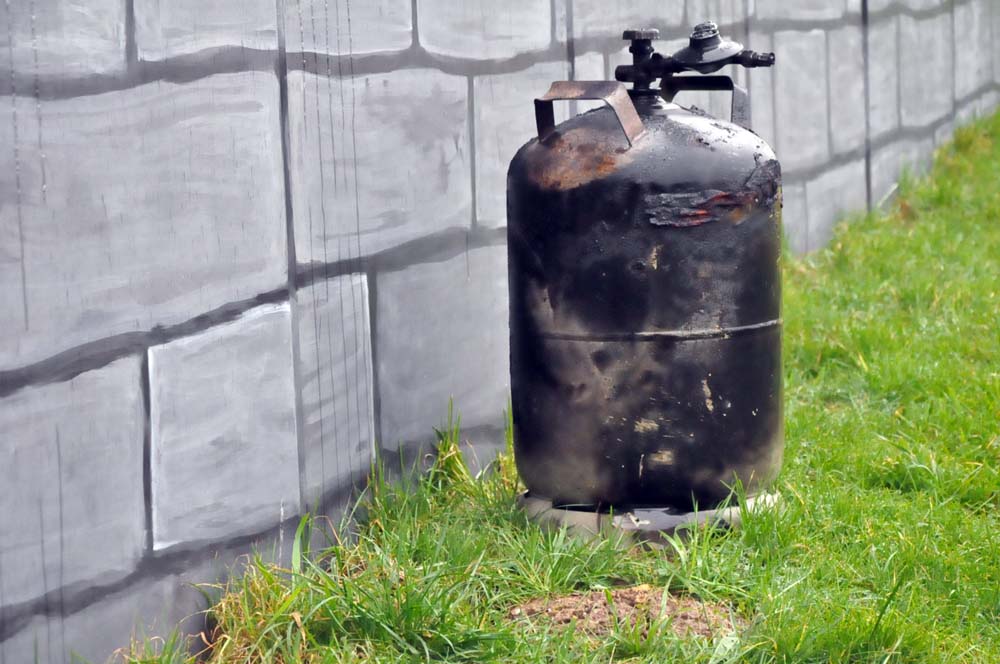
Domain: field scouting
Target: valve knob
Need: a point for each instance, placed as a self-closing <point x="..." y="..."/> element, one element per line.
<point x="707" y="51"/>
<point x="704" y="31"/>
<point x="641" y="50"/>
<point x="641" y="33"/>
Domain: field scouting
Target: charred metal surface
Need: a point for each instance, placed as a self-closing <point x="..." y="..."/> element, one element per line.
<point x="645" y="310"/>
<point x="683" y="209"/>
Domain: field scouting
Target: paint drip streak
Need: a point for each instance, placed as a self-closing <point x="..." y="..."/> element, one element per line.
<point x="312" y="253"/>
<point x="38" y="104"/>
<point x="357" y="211"/>
<point x="3" y="659"/>
<point x="45" y="573"/>
<point x="340" y="239"/>
<point x="323" y="222"/>
<point x="326" y="238"/>
<point x="17" y="165"/>
<point x="62" y="540"/>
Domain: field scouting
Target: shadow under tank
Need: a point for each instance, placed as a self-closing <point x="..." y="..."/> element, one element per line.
<point x="645" y="324"/>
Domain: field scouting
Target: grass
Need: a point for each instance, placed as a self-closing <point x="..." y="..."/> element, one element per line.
<point x="887" y="545"/>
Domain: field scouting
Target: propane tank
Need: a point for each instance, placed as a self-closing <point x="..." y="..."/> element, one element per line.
<point x="645" y="322"/>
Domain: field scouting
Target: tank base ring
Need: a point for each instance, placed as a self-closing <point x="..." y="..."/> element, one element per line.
<point x="647" y="525"/>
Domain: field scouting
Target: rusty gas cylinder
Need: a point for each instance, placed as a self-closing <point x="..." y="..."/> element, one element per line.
<point x="645" y="321"/>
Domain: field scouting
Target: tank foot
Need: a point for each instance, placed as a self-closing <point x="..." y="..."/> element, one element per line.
<point x="646" y="525"/>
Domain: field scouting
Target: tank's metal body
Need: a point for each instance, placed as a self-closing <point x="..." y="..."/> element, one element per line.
<point x="645" y="309"/>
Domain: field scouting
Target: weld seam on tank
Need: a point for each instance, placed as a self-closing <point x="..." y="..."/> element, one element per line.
<point x="663" y="334"/>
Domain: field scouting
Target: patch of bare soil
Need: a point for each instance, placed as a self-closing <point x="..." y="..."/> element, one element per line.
<point x="594" y="615"/>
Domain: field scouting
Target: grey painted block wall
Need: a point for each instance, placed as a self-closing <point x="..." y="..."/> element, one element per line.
<point x="64" y="37"/>
<point x="337" y="390"/>
<point x="135" y="208"/>
<point x="169" y="28"/>
<point x="356" y="192"/>
<point x="71" y="508"/>
<point x="464" y="334"/>
<point x="223" y="450"/>
<point x="246" y="245"/>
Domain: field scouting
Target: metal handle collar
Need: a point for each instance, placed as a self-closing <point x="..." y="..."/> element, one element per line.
<point x="613" y="94"/>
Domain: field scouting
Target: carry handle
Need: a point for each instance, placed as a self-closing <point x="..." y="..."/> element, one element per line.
<point x="612" y="93"/>
<point x="740" y="112"/>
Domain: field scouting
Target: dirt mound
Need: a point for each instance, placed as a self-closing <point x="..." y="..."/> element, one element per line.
<point x="595" y="615"/>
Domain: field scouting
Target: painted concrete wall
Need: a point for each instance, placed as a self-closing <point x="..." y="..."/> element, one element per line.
<point x="244" y="243"/>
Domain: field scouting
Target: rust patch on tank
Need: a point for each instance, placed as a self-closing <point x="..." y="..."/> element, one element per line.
<point x="654" y="258"/>
<point x="694" y="209"/>
<point x="707" y="391"/>
<point x="574" y="158"/>
<point x="661" y="458"/>
<point x="646" y="426"/>
<point x="685" y="209"/>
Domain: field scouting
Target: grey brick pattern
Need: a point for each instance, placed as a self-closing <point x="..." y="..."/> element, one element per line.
<point x="889" y="161"/>
<point x="846" y="75"/>
<point x="723" y="12"/>
<point x="484" y="29"/>
<point x="590" y="67"/>
<point x="448" y="352"/>
<point x="338" y="428"/>
<point x="883" y="87"/>
<point x="167" y="28"/>
<point x="224" y="459"/>
<point x="926" y="70"/>
<point x="995" y="41"/>
<point x="145" y="206"/>
<point x="943" y="132"/>
<point x="973" y="69"/>
<point x="377" y="161"/>
<point x="795" y="215"/>
<point x="71" y="503"/>
<point x="598" y="20"/>
<point x="505" y="115"/>
<point x="803" y="10"/>
<point x="919" y="5"/>
<point x="761" y="89"/>
<point x="245" y="244"/>
<point x="343" y="27"/>
<point x="151" y="607"/>
<point x="154" y="605"/>
<point x="62" y="37"/>
<point x="835" y="193"/>
<point x="803" y="126"/>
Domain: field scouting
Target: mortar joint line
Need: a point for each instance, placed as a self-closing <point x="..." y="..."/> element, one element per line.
<point x="866" y="59"/>
<point x="291" y="284"/>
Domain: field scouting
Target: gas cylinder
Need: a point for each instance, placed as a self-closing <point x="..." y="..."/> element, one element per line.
<point x="645" y="322"/>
